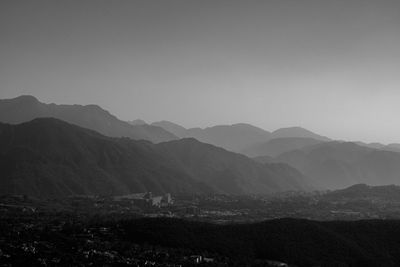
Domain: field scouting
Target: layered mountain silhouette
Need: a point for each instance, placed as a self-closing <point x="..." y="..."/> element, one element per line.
<point x="265" y="159"/>
<point x="277" y="146"/>
<point x="48" y="157"/>
<point x="137" y="122"/>
<point x="336" y="165"/>
<point x="392" y="147"/>
<point x="198" y="162"/>
<point x="247" y="139"/>
<point x="231" y="172"/>
<point x="234" y="137"/>
<point x="383" y="193"/>
<point x="26" y="108"/>
<point x="371" y="145"/>
<point x="171" y="127"/>
<point x="297" y="132"/>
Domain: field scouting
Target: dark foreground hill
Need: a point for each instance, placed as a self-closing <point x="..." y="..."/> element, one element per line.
<point x="26" y="108"/>
<point x="231" y="172"/>
<point x="51" y="158"/>
<point x="294" y="241"/>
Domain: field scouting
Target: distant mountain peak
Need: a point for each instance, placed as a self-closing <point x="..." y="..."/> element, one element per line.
<point x="137" y="122"/>
<point x="24" y="98"/>
<point x="27" y="108"/>
<point x="291" y="129"/>
<point x="242" y="124"/>
<point x="297" y="131"/>
<point x="277" y="146"/>
<point x="171" y="127"/>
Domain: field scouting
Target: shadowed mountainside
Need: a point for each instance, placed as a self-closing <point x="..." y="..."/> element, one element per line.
<point x="231" y="137"/>
<point x="277" y="146"/>
<point x="51" y="158"/>
<point x="247" y="139"/>
<point x="334" y="165"/>
<point x="171" y="127"/>
<point x="297" y="132"/>
<point x="392" y="147"/>
<point x="226" y="171"/>
<point x="386" y="193"/>
<point x="235" y="137"/>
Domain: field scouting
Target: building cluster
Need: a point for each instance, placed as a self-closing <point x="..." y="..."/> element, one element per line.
<point x="145" y="200"/>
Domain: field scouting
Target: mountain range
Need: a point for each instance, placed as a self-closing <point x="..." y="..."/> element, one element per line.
<point x="277" y="146"/>
<point x="245" y="138"/>
<point x="357" y="192"/>
<point x="48" y="157"/>
<point x="196" y="159"/>
<point x="234" y="137"/>
<point x="390" y="147"/>
<point x="26" y="108"/>
<point x="297" y="132"/>
<point x="336" y="165"/>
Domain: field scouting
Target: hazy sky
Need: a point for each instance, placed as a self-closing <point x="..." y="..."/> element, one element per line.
<point x="330" y="66"/>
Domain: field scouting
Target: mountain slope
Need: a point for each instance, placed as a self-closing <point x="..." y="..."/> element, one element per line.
<point x="51" y="158"/>
<point x="224" y="170"/>
<point x="231" y="137"/>
<point x="277" y="146"/>
<point x="297" y="132"/>
<point x="26" y="108"/>
<point x="392" y="147"/>
<point x="247" y="139"/>
<point x="171" y="127"/>
<point x="137" y="122"/>
<point x="336" y="165"/>
<point x="370" y="145"/>
<point x="383" y="193"/>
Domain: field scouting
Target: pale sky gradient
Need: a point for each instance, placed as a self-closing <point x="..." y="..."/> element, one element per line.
<point x="330" y="66"/>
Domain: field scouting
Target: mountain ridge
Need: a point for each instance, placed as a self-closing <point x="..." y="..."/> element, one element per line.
<point x="277" y="146"/>
<point x="52" y="158"/>
<point x="334" y="165"/>
<point x="25" y="108"/>
<point x="238" y="137"/>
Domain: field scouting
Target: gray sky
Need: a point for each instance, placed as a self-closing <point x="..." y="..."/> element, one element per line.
<point x="330" y="66"/>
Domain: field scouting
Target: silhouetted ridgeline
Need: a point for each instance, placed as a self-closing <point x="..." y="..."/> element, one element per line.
<point x="277" y="146"/>
<point x="299" y="242"/>
<point x="234" y="137"/>
<point x="387" y="193"/>
<point x="26" y="108"/>
<point x="51" y="158"/>
<point x="247" y="139"/>
<point x="334" y="165"/>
